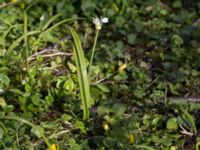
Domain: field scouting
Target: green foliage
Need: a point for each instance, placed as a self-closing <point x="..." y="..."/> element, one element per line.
<point x="82" y="74"/>
<point x="172" y="124"/>
<point x="145" y="68"/>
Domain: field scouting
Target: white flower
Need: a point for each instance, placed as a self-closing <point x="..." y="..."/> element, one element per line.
<point x="104" y="20"/>
<point x="98" y="22"/>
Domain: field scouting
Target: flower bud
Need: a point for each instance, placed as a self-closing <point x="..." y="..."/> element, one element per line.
<point x="105" y="126"/>
<point x="98" y="23"/>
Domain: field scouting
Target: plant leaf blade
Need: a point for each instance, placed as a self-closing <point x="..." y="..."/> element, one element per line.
<point x="82" y="74"/>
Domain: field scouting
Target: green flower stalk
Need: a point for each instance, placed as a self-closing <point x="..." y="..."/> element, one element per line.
<point x="98" y="25"/>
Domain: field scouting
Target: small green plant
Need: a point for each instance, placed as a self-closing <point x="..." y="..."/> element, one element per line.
<point x="83" y="76"/>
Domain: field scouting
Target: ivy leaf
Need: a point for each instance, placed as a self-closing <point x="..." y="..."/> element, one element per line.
<point x="16" y="91"/>
<point x="69" y="85"/>
<point x="177" y="40"/>
<point x="172" y="124"/>
<point x="4" y="79"/>
<point x="38" y="131"/>
<point x="36" y="99"/>
<point x="118" y="109"/>
<point x="72" y="67"/>
<point x="131" y="38"/>
<point x="177" y="4"/>
<point x="157" y="121"/>
<point x="2" y="102"/>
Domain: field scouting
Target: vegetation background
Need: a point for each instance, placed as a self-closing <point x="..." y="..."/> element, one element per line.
<point x="144" y="78"/>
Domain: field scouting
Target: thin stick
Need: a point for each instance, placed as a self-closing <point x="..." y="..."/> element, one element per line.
<point x="41" y="52"/>
<point x="51" y="55"/>
<point x="7" y="4"/>
<point x="185" y="131"/>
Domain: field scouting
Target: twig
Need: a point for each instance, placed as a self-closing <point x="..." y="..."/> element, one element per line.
<point x="50" y="68"/>
<point x="61" y="72"/>
<point x="41" y="52"/>
<point x="51" y="55"/>
<point x="56" y="54"/>
<point x="103" y="79"/>
<point x="59" y="134"/>
<point x="153" y="81"/>
<point x="185" y="131"/>
<point x="7" y="4"/>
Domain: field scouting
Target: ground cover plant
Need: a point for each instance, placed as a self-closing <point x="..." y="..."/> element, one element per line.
<point x="118" y="74"/>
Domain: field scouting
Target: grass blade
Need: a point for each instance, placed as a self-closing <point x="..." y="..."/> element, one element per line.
<point x="17" y="42"/>
<point x="50" y="21"/>
<point x="82" y="74"/>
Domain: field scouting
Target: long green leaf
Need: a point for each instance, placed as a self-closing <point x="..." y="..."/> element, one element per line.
<point x="50" y="21"/>
<point x="82" y="74"/>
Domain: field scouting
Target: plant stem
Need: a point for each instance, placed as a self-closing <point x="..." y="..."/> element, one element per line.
<point x="92" y="55"/>
<point x="25" y="38"/>
<point x="17" y="119"/>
